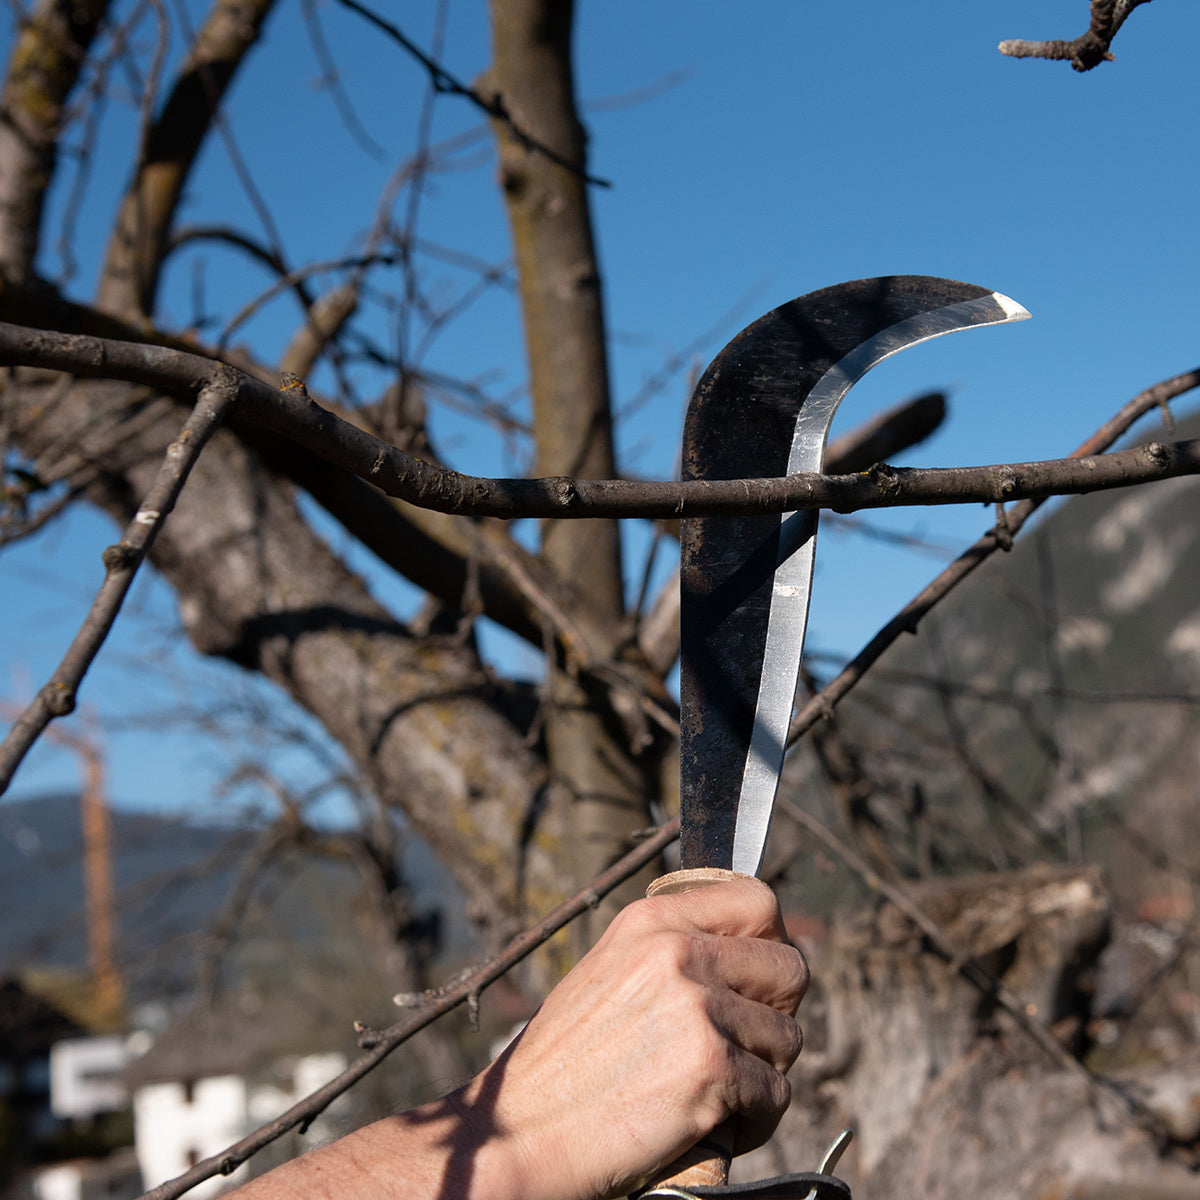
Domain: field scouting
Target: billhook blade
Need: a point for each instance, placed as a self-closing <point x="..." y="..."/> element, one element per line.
<point x="763" y="408"/>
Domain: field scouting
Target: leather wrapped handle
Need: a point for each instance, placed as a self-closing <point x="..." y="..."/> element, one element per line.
<point x="706" y="1164"/>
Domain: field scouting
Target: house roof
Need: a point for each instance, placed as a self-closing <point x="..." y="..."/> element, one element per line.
<point x="202" y="1043"/>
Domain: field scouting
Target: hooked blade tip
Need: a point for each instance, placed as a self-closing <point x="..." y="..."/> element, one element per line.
<point x="1012" y="310"/>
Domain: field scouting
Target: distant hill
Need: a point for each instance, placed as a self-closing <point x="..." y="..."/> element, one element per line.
<point x="170" y="877"/>
<point x="304" y="928"/>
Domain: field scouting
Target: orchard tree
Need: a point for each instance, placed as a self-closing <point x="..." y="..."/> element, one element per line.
<point x="211" y="459"/>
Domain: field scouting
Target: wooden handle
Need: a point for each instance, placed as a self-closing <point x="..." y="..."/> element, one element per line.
<point x="706" y="1164"/>
<point x="689" y="880"/>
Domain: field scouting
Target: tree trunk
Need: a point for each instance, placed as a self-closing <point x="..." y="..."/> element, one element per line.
<point x="946" y="1096"/>
<point x="593" y="769"/>
<point x="419" y="717"/>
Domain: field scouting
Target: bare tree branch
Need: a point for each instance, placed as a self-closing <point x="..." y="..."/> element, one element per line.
<point x="598" y="778"/>
<point x="137" y="248"/>
<point x="119" y="52"/>
<point x="294" y="415"/>
<point x="986" y="694"/>
<point x="331" y="80"/>
<point x="15" y="526"/>
<point x="1090" y="48"/>
<point x="288" y="280"/>
<point x="222" y="934"/>
<point x="43" y="67"/>
<point x="494" y="106"/>
<point x="57" y="697"/>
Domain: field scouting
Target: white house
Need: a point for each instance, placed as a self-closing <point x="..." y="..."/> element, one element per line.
<point x="178" y="1122"/>
<point x="113" y="1178"/>
<point x="176" y="1125"/>
<point x="87" y="1076"/>
<point x="201" y="1084"/>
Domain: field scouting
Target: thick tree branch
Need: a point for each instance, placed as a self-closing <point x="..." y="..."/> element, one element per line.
<point x="418" y="716"/>
<point x="45" y="62"/>
<point x="139" y="243"/>
<point x="297" y="417"/>
<point x="1090" y="48"/>
<point x="57" y="697"/>
<point x="445" y="555"/>
<point x="430" y="548"/>
<point x="598" y="778"/>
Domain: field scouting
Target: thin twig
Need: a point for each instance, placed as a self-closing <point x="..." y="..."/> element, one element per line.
<point x="655" y="383"/>
<point x="148" y="89"/>
<point x="289" y="280"/>
<point x="15" y="529"/>
<point x="410" y="301"/>
<point x="57" y="697"/>
<point x="1090" y="48"/>
<point x="890" y="537"/>
<point x="89" y="110"/>
<point x="332" y="81"/>
<point x="382" y="1042"/>
<point x="443" y="81"/>
<point x="214" y="94"/>
<point x="225" y="927"/>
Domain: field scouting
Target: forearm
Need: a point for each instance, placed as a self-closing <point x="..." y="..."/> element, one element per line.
<point x="447" y="1148"/>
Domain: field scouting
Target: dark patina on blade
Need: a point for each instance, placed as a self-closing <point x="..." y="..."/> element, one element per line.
<point x="763" y="409"/>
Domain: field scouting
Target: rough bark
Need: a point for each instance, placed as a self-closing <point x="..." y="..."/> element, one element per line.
<point x="1088" y="50"/>
<point x="1035" y="932"/>
<point x="947" y="1098"/>
<point x="550" y="217"/>
<point x="418" y="714"/>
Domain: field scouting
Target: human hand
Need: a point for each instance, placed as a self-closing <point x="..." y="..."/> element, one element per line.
<point x="680" y="1017"/>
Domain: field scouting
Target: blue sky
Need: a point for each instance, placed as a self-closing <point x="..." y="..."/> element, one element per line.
<point x="795" y="145"/>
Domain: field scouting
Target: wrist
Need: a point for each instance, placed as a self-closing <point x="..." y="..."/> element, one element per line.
<point x="458" y="1146"/>
<point x="489" y="1157"/>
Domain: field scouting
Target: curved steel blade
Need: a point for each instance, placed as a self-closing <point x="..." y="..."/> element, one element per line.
<point x="763" y="408"/>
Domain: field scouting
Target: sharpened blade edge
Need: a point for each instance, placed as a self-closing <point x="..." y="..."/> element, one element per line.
<point x="816" y="416"/>
<point x="792" y="587"/>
